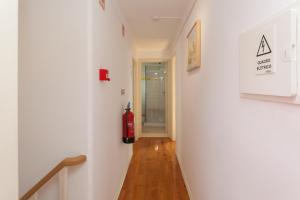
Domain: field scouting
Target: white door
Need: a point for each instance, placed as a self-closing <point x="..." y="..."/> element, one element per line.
<point x="154" y="88"/>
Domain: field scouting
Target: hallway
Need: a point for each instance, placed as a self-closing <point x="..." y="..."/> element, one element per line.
<point x="154" y="172"/>
<point x="213" y="88"/>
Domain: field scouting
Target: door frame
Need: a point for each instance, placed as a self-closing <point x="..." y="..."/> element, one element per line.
<point x="137" y="100"/>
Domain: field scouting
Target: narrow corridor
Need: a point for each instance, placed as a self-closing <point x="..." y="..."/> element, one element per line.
<point x="154" y="172"/>
<point x="213" y="88"/>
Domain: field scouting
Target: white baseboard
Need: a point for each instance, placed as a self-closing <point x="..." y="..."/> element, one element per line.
<point x="185" y="179"/>
<point x="155" y="135"/>
<point x="123" y="178"/>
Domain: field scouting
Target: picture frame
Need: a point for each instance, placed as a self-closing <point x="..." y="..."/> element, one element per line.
<point x="194" y="47"/>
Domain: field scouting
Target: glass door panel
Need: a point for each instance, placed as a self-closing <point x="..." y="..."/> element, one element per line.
<point x="154" y="97"/>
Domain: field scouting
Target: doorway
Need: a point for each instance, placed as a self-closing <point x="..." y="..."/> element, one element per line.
<point x="153" y="98"/>
<point x="153" y="90"/>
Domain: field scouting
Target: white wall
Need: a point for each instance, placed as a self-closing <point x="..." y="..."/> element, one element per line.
<point x="53" y="92"/>
<point x="232" y="148"/>
<point x="8" y="99"/>
<point x="152" y="54"/>
<point x="108" y="49"/>
<point x="64" y="109"/>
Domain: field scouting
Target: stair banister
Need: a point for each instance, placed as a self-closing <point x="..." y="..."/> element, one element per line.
<point x="62" y="170"/>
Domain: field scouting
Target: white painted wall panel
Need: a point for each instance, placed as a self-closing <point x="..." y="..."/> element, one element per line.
<point x="64" y="109"/>
<point x="108" y="49"/>
<point x="8" y="99"/>
<point x="233" y="148"/>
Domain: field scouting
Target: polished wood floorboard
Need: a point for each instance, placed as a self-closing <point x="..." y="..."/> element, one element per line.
<point x="154" y="172"/>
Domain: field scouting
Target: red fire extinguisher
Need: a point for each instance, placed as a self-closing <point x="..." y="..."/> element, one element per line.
<point x="128" y="126"/>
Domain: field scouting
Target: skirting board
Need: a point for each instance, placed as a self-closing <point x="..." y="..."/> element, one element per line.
<point x="185" y="179"/>
<point x="123" y="178"/>
<point x="155" y="135"/>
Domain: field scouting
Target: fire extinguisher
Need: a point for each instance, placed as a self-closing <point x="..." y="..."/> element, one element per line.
<point x="128" y="126"/>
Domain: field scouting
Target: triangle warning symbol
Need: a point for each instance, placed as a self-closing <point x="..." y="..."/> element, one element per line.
<point x="264" y="47"/>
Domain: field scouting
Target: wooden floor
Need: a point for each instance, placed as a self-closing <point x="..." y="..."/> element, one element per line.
<point x="154" y="173"/>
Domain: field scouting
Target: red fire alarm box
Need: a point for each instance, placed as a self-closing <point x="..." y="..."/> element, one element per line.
<point x="104" y="75"/>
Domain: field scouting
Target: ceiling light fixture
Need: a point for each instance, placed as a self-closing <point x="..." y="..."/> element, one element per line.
<point x="157" y="18"/>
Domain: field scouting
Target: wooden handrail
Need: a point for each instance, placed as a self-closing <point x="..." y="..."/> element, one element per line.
<point x="68" y="162"/>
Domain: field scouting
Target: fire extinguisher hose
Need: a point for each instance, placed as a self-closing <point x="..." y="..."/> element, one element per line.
<point x="127" y="124"/>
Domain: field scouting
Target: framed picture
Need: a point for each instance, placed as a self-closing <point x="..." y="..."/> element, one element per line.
<point x="194" y="47"/>
<point x="102" y="4"/>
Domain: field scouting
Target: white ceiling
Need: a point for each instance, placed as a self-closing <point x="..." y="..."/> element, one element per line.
<point x="154" y="35"/>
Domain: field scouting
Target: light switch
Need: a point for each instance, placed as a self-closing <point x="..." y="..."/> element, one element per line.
<point x="123" y="91"/>
<point x="289" y="53"/>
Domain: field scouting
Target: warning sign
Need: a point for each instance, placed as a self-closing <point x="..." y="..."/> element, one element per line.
<point x="264" y="56"/>
<point x="264" y="47"/>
